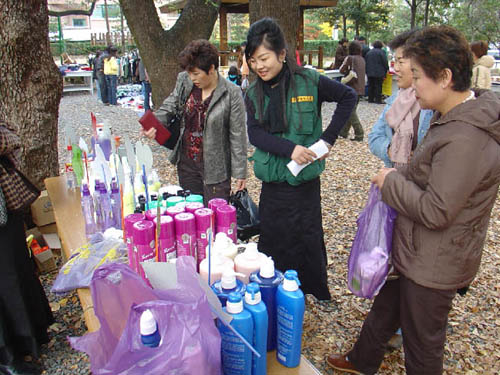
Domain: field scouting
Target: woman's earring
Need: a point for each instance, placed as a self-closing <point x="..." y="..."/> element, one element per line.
<point x="284" y="61"/>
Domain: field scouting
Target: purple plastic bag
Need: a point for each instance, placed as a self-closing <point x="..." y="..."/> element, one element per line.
<point x="369" y="260"/>
<point x="190" y="340"/>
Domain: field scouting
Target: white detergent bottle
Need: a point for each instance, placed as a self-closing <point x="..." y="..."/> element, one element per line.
<point x="218" y="264"/>
<point x="224" y="246"/>
<point x="248" y="262"/>
<point x="227" y="284"/>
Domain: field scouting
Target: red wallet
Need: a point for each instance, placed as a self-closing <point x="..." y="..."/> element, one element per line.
<point x="149" y="120"/>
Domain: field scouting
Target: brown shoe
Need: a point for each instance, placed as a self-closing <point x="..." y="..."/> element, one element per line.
<point x="341" y="363"/>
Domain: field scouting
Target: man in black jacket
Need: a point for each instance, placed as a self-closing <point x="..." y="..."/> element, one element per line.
<point x="376" y="69"/>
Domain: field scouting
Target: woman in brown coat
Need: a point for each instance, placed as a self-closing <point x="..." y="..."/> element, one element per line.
<point x="444" y="200"/>
<point x="24" y="311"/>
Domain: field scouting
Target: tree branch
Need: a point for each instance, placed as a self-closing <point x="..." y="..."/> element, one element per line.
<point x="75" y="12"/>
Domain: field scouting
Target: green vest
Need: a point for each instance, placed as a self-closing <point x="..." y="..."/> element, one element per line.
<point x="304" y="128"/>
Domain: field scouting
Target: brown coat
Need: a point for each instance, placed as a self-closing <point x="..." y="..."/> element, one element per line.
<point x="340" y="54"/>
<point x="358" y="64"/>
<point x="17" y="191"/>
<point x="445" y="196"/>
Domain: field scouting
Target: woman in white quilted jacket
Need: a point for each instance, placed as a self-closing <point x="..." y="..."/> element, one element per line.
<point x="481" y="76"/>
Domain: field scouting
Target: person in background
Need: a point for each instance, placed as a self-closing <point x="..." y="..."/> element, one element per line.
<point x="365" y="49"/>
<point x="284" y="119"/>
<point x="243" y="67"/>
<point x="403" y="124"/>
<point x="146" y="85"/>
<point x="355" y="62"/>
<point x="94" y="74"/>
<point x="341" y="53"/>
<point x="25" y="313"/>
<point x="481" y="76"/>
<point x="376" y="70"/>
<point x="234" y="75"/>
<point x="101" y="78"/>
<point x="212" y="146"/>
<point x="444" y="199"/>
<point x="111" y="74"/>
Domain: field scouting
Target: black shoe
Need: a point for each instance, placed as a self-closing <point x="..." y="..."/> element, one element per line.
<point x="20" y="367"/>
<point x="342" y="136"/>
<point x="356" y="139"/>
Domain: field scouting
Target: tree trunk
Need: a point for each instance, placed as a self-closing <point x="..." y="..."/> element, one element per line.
<point x="344" y="25"/>
<point x="286" y="12"/>
<point x="426" y="15"/>
<point x="413" y="12"/>
<point x="31" y="85"/>
<point x="108" y="31"/>
<point x="159" y="48"/>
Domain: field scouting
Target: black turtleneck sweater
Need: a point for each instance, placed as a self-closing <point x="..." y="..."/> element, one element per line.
<point x="328" y="91"/>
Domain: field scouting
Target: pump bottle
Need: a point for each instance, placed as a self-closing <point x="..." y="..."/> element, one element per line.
<point x="257" y="308"/>
<point x="290" y="305"/>
<point x="88" y="210"/>
<point x="236" y="356"/>
<point x="228" y="284"/>
<point x="150" y="336"/>
<point x="249" y="261"/>
<point x="269" y="279"/>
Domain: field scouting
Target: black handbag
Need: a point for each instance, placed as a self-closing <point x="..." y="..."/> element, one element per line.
<point x="174" y="127"/>
<point x="174" y="121"/>
<point x="247" y="214"/>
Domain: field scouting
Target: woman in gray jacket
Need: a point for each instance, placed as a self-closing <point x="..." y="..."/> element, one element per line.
<point x="212" y="146"/>
<point x="444" y="199"/>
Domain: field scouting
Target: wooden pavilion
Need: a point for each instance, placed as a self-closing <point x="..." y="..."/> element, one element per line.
<point x="241" y="6"/>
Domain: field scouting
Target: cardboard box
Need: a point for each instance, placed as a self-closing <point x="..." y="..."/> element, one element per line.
<point x="45" y="261"/>
<point x="42" y="211"/>
<point x="46" y="229"/>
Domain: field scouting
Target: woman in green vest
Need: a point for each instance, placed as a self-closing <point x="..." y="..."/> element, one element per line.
<point x="284" y="120"/>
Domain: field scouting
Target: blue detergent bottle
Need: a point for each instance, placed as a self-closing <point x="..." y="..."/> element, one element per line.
<point x="236" y="356"/>
<point x="253" y="303"/>
<point x="150" y="336"/>
<point x="228" y="284"/>
<point x="269" y="279"/>
<point x="290" y="305"/>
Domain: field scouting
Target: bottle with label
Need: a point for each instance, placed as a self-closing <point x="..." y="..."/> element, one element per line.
<point x="226" y="221"/>
<point x="228" y="284"/>
<point x="185" y="234"/>
<point x="166" y="239"/>
<point x="99" y="219"/>
<point x="104" y="140"/>
<point x="144" y="244"/>
<point x="116" y="205"/>
<point x="236" y="356"/>
<point x="290" y="306"/>
<point x="128" y="236"/>
<point x="254" y="304"/>
<point x="106" y="211"/>
<point x="150" y="335"/>
<point x="88" y="211"/>
<point x="68" y="170"/>
<point x="269" y="279"/>
<point x="249" y="261"/>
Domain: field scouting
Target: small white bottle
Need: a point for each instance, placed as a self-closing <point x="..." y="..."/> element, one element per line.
<point x="150" y="336"/>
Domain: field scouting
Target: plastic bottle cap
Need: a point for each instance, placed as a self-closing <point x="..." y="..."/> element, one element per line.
<point x="234" y="304"/>
<point x="252" y="294"/>
<point x="267" y="268"/>
<point x="69" y="148"/>
<point x="85" y="190"/>
<point x="228" y="280"/>
<point x="251" y="252"/>
<point x="291" y="281"/>
<point x="148" y="323"/>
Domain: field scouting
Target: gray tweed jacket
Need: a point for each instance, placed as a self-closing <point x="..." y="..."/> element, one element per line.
<point x="224" y="135"/>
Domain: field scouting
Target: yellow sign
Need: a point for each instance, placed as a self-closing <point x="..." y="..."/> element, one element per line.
<point x="301" y="99"/>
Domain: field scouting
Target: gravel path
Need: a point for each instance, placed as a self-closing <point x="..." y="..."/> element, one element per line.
<point x="473" y="345"/>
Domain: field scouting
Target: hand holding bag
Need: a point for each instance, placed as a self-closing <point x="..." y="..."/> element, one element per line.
<point x="351" y="77"/>
<point x="247" y="214"/>
<point x="368" y="264"/>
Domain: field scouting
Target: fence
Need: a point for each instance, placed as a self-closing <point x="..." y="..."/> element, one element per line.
<point x="115" y="38"/>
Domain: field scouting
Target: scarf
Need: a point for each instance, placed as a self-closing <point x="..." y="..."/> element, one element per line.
<point x="275" y="89"/>
<point x="400" y="118"/>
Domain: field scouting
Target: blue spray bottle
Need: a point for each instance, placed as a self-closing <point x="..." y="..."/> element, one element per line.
<point x="150" y="336"/>
<point x="236" y="356"/>
<point x="227" y="284"/>
<point x="269" y="279"/>
<point x="254" y="304"/>
<point x="290" y="306"/>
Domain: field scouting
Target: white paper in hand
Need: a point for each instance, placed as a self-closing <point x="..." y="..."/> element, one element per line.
<point x="319" y="148"/>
